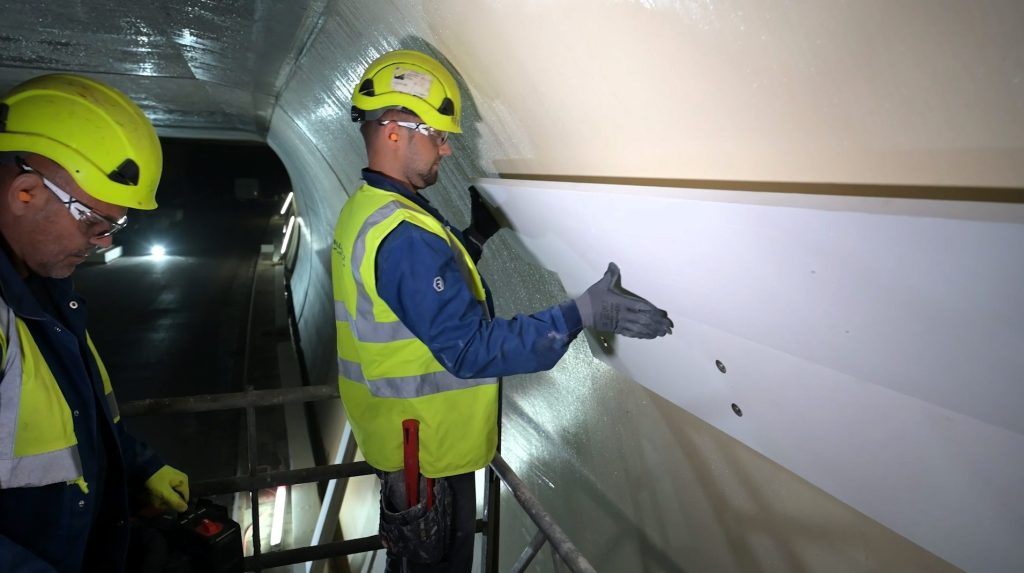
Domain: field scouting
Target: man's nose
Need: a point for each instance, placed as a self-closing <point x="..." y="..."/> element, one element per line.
<point x="102" y="242"/>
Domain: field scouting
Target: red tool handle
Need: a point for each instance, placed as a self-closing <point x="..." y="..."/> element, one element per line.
<point x="411" y="442"/>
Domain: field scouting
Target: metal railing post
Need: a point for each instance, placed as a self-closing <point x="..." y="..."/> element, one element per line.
<point x="538" y="541"/>
<point x="253" y="482"/>
<point x="559" y="540"/>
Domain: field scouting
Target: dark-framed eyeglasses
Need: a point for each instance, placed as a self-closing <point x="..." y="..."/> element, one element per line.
<point x="99" y="226"/>
<point x="436" y="135"/>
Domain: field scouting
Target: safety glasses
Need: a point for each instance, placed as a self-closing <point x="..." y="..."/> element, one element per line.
<point x="98" y="226"/>
<point x="437" y="136"/>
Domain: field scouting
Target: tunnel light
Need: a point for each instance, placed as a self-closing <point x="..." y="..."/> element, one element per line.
<point x="287" y="234"/>
<point x="277" y="528"/>
<point x="287" y="202"/>
<point x="157" y="252"/>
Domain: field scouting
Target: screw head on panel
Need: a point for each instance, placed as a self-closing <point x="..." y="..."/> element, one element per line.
<point x="721" y="367"/>
<point x="736" y="410"/>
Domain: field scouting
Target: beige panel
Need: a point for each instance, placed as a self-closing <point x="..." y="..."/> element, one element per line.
<point x="759" y="516"/>
<point x="914" y="92"/>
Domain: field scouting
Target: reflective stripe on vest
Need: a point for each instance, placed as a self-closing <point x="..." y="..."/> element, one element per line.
<point x="32" y="454"/>
<point x="367" y="328"/>
<point x="408" y="386"/>
<point x="385" y="373"/>
<point x="108" y="389"/>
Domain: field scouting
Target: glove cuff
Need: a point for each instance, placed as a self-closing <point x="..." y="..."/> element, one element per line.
<point x="586" y="309"/>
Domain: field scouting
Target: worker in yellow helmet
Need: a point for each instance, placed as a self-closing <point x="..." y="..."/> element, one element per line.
<point x="417" y="339"/>
<point x="75" y="155"/>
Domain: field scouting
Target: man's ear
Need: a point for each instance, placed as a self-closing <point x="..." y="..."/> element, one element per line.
<point x="22" y="192"/>
<point x="389" y="132"/>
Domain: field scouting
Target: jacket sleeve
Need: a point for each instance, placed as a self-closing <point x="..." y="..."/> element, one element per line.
<point x="16" y="559"/>
<point x="419" y="279"/>
<point x="140" y="460"/>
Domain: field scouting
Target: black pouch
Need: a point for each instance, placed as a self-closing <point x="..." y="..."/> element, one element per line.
<point x="417" y="534"/>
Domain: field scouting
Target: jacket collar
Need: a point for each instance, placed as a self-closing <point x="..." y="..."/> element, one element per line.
<point x="16" y="293"/>
<point x="388" y="183"/>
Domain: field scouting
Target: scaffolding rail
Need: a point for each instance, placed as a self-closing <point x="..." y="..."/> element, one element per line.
<point x="548" y="530"/>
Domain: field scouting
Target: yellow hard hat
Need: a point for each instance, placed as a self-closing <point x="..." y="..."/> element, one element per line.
<point x="91" y="130"/>
<point x="413" y="80"/>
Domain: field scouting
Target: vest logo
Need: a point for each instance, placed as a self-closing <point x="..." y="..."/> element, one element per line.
<point x="438" y="284"/>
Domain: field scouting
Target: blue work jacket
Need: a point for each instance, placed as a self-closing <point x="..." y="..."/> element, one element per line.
<point x="59" y="527"/>
<point x="451" y="322"/>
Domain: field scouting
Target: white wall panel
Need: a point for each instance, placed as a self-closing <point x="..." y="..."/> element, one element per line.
<point x="877" y="355"/>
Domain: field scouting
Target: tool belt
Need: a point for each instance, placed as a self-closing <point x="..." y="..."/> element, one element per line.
<point x="415" y="511"/>
<point x="420" y="533"/>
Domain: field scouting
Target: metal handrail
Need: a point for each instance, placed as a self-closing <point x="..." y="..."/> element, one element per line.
<point x="271" y="480"/>
<point x="547" y="528"/>
<point x="229" y="400"/>
<point x="559" y="540"/>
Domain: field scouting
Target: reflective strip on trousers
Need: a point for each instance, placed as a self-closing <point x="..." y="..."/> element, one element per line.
<point x="409" y="386"/>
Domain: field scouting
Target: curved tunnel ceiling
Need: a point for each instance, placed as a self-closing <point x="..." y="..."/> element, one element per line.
<point x="198" y="68"/>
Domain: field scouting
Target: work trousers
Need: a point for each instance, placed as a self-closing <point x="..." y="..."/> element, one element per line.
<point x="459" y="556"/>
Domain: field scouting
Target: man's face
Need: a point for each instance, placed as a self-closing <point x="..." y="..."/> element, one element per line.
<point x="52" y="241"/>
<point x="423" y="158"/>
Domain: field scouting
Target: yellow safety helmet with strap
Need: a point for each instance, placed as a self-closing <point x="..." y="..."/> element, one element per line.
<point x="91" y="130"/>
<point x="411" y="80"/>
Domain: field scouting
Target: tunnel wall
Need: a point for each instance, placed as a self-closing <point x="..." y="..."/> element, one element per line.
<point x="918" y="97"/>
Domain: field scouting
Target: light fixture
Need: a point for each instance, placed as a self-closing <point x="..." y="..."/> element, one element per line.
<point x="287" y="234"/>
<point x="157" y="252"/>
<point x="277" y="527"/>
<point x="287" y="202"/>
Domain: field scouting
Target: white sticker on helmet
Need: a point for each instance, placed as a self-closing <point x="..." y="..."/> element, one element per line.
<point x="410" y="82"/>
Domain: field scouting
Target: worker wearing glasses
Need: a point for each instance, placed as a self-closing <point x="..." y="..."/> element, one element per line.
<point x="418" y="342"/>
<point x="70" y="243"/>
<point x="75" y="155"/>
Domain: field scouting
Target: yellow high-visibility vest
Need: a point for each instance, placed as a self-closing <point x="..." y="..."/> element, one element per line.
<point x="37" y="435"/>
<point x="386" y="374"/>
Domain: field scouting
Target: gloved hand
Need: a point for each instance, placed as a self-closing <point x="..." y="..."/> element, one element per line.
<point x="482" y="224"/>
<point x="168" y="489"/>
<point x="608" y="307"/>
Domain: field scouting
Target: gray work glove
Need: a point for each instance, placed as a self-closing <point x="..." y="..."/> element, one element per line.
<point x="608" y="307"/>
